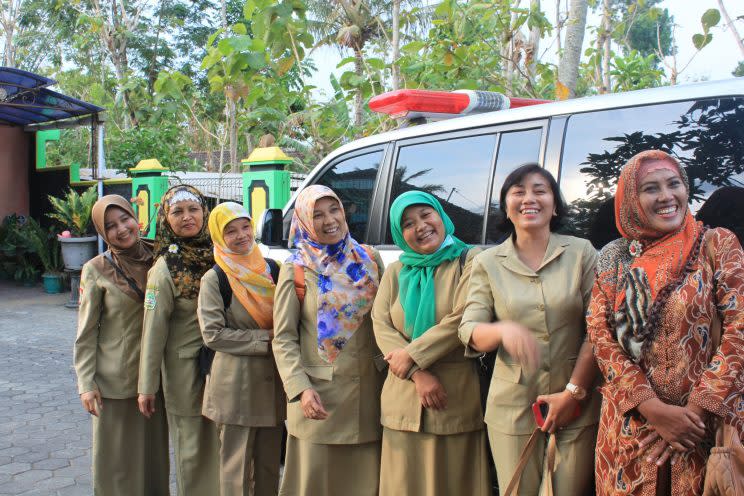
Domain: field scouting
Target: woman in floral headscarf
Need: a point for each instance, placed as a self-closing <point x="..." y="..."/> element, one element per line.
<point x="655" y="300"/>
<point x="171" y="338"/>
<point x="244" y="395"/>
<point x="326" y="353"/>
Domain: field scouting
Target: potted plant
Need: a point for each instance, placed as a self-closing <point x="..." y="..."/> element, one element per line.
<point x="47" y="247"/>
<point x="19" y="249"/>
<point x="73" y="211"/>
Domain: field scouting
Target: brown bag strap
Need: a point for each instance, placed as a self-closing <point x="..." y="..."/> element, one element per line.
<point x="524" y="457"/>
<point x="299" y="282"/>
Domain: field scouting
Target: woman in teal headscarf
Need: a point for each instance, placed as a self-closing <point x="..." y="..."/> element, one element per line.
<point x="433" y="440"/>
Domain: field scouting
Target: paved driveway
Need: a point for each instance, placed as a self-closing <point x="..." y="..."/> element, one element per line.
<point x="44" y="431"/>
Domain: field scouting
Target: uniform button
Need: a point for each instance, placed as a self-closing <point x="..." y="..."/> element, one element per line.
<point x="354" y="354"/>
<point x="541" y="307"/>
<point x="545" y="338"/>
<point x="355" y="379"/>
<point x="535" y="280"/>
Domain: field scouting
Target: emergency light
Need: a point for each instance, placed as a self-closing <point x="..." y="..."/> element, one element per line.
<point x="411" y="104"/>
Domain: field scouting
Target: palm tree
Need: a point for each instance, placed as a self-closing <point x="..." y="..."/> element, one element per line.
<point x="349" y="24"/>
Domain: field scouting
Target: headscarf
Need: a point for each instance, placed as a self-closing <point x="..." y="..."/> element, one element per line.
<point x="188" y="259"/>
<point x="347" y="276"/>
<point x="654" y="260"/>
<point x="134" y="262"/>
<point x="416" y="278"/>
<point x="248" y="274"/>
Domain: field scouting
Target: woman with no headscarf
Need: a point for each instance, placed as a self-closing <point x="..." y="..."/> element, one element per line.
<point x="527" y="299"/>
<point x="171" y="338"/>
<point x="244" y="395"/>
<point x="659" y="289"/>
<point x="433" y="442"/>
<point x="326" y="354"/>
<point x="130" y="453"/>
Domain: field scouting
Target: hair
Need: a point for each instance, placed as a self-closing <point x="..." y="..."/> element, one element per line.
<point x="725" y="208"/>
<point x="517" y="176"/>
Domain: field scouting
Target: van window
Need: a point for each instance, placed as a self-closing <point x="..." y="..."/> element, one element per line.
<point x="353" y="180"/>
<point x="706" y="136"/>
<point x="515" y="148"/>
<point x="456" y="172"/>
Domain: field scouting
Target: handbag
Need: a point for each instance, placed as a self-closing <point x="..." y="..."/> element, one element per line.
<point x="724" y="471"/>
<point x="524" y="457"/>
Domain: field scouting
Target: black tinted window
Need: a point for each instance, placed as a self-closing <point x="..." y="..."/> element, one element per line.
<point x="353" y="180"/>
<point x="456" y="172"/>
<point x="515" y="148"/>
<point x="706" y="136"/>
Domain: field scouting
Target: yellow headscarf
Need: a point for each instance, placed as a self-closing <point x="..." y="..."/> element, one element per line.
<point x="249" y="275"/>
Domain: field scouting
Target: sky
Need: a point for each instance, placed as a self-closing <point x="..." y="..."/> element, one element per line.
<point x="715" y="61"/>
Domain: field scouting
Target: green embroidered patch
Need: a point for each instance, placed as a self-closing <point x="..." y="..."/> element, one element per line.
<point x="151" y="298"/>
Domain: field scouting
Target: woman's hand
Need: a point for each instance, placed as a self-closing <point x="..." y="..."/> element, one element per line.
<point x="92" y="402"/>
<point x="146" y="403"/>
<point x="400" y="362"/>
<point x="311" y="405"/>
<point x="661" y="453"/>
<point x="430" y="390"/>
<point x="520" y="343"/>
<point x="561" y="408"/>
<point x="680" y="427"/>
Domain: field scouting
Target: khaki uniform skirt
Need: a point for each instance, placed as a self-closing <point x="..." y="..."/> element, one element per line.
<point x="408" y="459"/>
<point x="130" y="452"/>
<point x="330" y="469"/>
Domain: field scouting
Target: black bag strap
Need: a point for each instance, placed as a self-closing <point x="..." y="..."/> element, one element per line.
<point x="225" y="289"/>
<point x="464" y="257"/>
<point x="273" y="268"/>
<point x="130" y="281"/>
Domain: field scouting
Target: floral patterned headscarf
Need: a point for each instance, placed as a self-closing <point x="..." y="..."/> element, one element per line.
<point x="188" y="259"/>
<point x="248" y="274"/>
<point x="651" y="261"/>
<point x="347" y="276"/>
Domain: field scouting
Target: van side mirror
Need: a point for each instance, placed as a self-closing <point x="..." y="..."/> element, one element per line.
<point x="270" y="227"/>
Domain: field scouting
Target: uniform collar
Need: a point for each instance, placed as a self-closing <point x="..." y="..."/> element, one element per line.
<point x="509" y="259"/>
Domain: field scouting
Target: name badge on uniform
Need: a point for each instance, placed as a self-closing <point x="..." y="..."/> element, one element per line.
<point x="151" y="298"/>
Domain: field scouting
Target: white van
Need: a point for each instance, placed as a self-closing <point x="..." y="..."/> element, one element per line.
<point x="583" y="142"/>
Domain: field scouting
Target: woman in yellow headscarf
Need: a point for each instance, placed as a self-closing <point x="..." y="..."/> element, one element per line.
<point x="244" y="394"/>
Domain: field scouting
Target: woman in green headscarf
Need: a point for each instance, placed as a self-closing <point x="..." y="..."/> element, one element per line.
<point x="433" y="440"/>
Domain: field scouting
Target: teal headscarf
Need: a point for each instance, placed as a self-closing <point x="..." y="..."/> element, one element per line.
<point x="416" y="278"/>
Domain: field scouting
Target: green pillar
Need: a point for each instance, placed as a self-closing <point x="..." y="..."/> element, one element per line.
<point x="42" y="137"/>
<point x="266" y="184"/>
<point x="148" y="186"/>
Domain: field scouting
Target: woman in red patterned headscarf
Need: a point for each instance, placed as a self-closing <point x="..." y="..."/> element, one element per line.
<point x="657" y="293"/>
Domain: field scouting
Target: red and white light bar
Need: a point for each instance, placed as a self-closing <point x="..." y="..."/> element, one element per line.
<point x="411" y="104"/>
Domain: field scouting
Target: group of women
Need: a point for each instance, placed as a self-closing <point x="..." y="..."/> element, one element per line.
<point x="376" y="370"/>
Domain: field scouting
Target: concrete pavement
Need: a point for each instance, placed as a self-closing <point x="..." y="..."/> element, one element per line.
<point x="44" y="431"/>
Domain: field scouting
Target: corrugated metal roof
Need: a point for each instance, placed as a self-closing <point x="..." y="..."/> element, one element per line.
<point x="26" y="99"/>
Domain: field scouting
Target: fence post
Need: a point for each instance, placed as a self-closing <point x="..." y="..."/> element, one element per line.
<point x="148" y="186"/>
<point x="266" y="183"/>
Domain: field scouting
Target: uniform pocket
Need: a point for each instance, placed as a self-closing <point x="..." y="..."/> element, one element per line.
<point x="322" y="372"/>
<point x="510" y="372"/>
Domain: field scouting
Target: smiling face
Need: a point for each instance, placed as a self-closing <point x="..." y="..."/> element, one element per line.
<point x="329" y="222"/>
<point x="122" y="230"/>
<point x="530" y="204"/>
<point x="422" y="228"/>
<point x="186" y="218"/>
<point x="238" y="236"/>
<point x="663" y="196"/>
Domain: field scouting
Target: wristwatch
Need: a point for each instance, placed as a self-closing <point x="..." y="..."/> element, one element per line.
<point x="577" y="392"/>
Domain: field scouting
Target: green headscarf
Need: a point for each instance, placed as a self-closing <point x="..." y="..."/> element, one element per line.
<point x="416" y="278"/>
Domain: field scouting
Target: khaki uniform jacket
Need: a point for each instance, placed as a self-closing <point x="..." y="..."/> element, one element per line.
<point x="349" y="388"/>
<point x="243" y="386"/>
<point x="107" y="348"/>
<point x="170" y="338"/>
<point x="551" y="302"/>
<point x="438" y="351"/>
